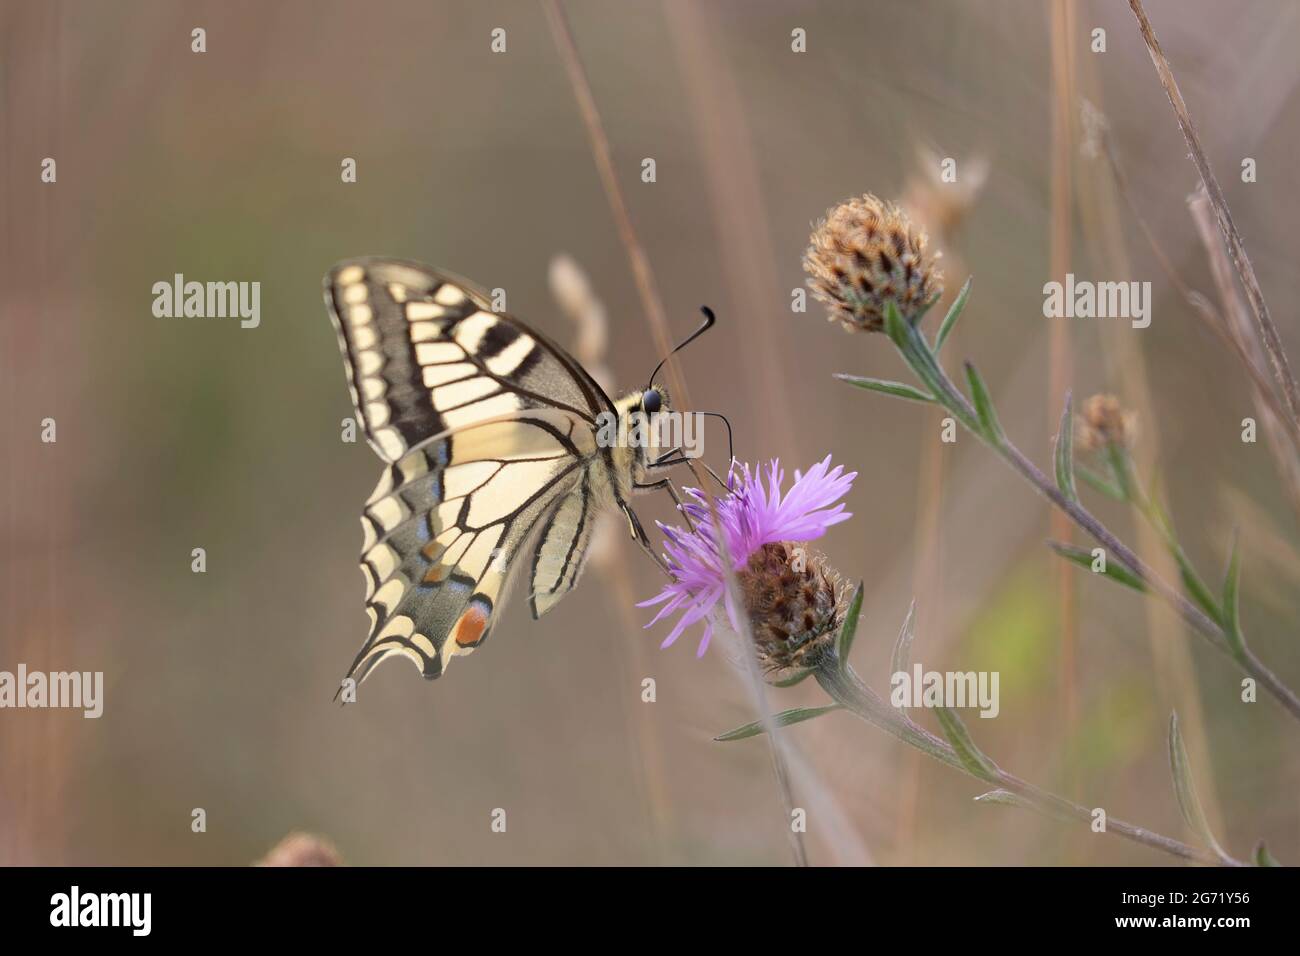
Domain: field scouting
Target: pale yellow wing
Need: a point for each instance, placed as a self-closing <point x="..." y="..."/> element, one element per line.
<point x="486" y="427"/>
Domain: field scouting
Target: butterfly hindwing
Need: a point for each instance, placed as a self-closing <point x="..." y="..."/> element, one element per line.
<point x="435" y="579"/>
<point x="561" y="548"/>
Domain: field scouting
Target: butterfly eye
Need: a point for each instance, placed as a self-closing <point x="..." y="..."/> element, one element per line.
<point x="651" y="401"/>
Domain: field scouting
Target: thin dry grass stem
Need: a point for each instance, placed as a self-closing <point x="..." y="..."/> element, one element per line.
<point x="1060" y="375"/>
<point x="43" y="754"/>
<point x="758" y="691"/>
<point x="1283" y="442"/>
<point x="734" y="185"/>
<point x="1231" y="326"/>
<point x="640" y="262"/>
<point x="653" y="305"/>
<point x="927" y="585"/>
<point x="1202" y="306"/>
<point x="718" y="110"/>
<point x="940" y="208"/>
<point x="776" y="738"/>
<point x="632" y="659"/>
<point x="1102" y="212"/>
<point x="572" y="290"/>
<point x="1245" y="268"/>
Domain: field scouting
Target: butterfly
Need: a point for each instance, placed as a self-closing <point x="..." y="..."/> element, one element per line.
<point x="496" y="451"/>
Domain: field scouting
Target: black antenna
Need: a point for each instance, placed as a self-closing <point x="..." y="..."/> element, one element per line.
<point x="731" y="445"/>
<point x="709" y="319"/>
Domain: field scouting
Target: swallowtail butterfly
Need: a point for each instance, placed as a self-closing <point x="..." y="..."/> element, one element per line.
<point x="493" y="464"/>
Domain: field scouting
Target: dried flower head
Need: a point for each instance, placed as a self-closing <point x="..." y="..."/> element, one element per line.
<point x="1105" y="422"/>
<point x="865" y="253"/>
<point x="302" y="849"/>
<point x="795" y="601"/>
<point x="795" y="605"/>
<point x="941" y="207"/>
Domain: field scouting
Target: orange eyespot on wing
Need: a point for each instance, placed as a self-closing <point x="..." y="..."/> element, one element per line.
<point x="470" y="627"/>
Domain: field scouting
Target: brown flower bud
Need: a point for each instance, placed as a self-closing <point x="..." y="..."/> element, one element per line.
<point x="865" y="253"/>
<point x="1103" y="422"/>
<point x="794" y="602"/>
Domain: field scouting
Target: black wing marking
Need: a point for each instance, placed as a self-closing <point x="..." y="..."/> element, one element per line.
<point x="425" y="355"/>
<point x="561" y="549"/>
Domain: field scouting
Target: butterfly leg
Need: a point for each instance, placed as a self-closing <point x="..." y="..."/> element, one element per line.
<point x="666" y="484"/>
<point x="668" y="460"/>
<point x="639" y="535"/>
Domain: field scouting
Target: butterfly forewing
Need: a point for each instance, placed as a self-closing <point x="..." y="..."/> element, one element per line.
<point x="425" y="353"/>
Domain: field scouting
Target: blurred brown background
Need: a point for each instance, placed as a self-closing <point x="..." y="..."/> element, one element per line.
<point x="183" y="433"/>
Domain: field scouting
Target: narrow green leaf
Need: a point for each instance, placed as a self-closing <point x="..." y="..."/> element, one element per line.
<point x="849" y="629"/>
<point x="972" y="757"/>
<point x="1188" y="802"/>
<point x="1083" y="558"/>
<point x="979" y="394"/>
<point x="901" y="659"/>
<point x="1196" y="588"/>
<point x="1008" y="799"/>
<point x="895" y="324"/>
<point x="1005" y="797"/>
<point x="1121" y="466"/>
<point x="1065" y="454"/>
<point x="916" y="352"/>
<point x="1231" y="619"/>
<point x="1263" y="857"/>
<point x="897" y="389"/>
<point x="795" y="715"/>
<point x="795" y="678"/>
<point x="954" y="311"/>
<point x="1098" y="483"/>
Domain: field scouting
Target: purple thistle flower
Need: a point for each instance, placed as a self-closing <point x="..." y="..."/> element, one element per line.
<point x="752" y="514"/>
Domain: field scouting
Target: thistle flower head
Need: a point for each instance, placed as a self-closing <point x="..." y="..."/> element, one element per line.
<point x="795" y="605"/>
<point x="791" y="600"/>
<point x="865" y="253"/>
<point x="1104" y="421"/>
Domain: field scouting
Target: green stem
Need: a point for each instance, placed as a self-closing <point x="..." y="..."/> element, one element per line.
<point x="1122" y="465"/>
<point x="844" y="686"/>
<point x="911" y="343"/>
